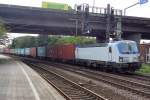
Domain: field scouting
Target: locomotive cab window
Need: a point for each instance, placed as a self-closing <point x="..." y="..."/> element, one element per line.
<point x="128" y="48"/>
<point x="110" y="50"/>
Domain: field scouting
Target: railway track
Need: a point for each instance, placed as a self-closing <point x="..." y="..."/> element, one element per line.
<point x="140" y="77"/>
<point x="117" y="81"/>
<point x="131" y="76"/>
<point x="69" y="89"/>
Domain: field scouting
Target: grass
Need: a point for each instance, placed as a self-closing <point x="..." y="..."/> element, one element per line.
<point x="145" y="69"/>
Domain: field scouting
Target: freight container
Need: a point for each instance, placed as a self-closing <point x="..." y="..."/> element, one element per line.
<point x="59" y="51"/>
<point x="33" y="52"/>
<point x="27" y="51"/>
<point x="19" y="51"/>
<point x="6" y="50"/>
<point x="55" y="52"/>
<point x="12" y="51"/>
<point x="48" y="52"/>
<point x="1" y="50"/>
<point x="68" y="52"/>
<point x="16" y="51"/>
<point x="58" y="6"/>
<point x="22" y="51"/>
<point x="41" y="52"/>
<point x="51" y="52"/>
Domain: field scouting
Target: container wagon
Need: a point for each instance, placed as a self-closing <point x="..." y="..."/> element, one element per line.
<point x="11" y="51"/>
<point x="33" y="52"/>
<point x="22" y="51"/>
<point x="51" y="52"/>
<point x="41" y="52"/>
<point x="1" y="50"/>
<point x="61" y="52"/>
<point x="68" y="52"/>
<point x="17" y="51"/>
<point x="27" y="52"/>
<point x="6" y="50"/>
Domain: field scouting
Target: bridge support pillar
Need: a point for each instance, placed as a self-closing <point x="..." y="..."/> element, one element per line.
<point x="100" y="39"/>
<point x="43" y="39"/>
<point x="135" y="37"/>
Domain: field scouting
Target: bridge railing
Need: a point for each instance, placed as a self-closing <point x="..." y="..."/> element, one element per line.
<point x="92" y="10"/>
<point x="96" y="10"/>
<point x="118" y="12"/>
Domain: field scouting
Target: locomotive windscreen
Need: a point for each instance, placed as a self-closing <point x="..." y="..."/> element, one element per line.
<point x="127" y="48"/>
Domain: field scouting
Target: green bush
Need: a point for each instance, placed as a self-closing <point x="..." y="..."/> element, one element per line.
<point x="2" y="28"/>
<point x="145" y="69"/>
<point x="30" y="41"/>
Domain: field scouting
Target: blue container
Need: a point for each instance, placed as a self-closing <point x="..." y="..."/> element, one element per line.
<point x="22" y="52"/>
<point x="41" y="51"/>
<point x="16" y="51"/>
<point x="27" y="51"/>
<point x="19" y="51"/>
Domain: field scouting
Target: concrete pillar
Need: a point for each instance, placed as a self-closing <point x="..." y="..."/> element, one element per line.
<point x="100" y="39"/>
<point x="43" y="39"/>
<point x="135" y="37"/>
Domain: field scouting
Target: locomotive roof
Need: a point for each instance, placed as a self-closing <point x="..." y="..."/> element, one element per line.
<point x="102" y="44"/>
<point x="93" y="45"/>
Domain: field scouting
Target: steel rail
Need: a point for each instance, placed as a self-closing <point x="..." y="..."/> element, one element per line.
<point x="80" y="88"/>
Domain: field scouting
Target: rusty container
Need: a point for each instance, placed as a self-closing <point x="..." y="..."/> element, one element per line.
<point x="51" y="51"/>
<point x="59" y="51"/>
<point x="67" y="52"/>
<point x="33" y="52"/>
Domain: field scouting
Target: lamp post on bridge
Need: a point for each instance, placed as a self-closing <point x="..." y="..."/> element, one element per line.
<point x="140" y="2"/>
<point x="93" y="6"/>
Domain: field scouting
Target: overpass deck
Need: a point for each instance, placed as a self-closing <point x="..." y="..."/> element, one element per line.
<point x="20" y="19"/>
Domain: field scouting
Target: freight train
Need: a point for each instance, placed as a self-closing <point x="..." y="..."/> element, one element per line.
<point x="122" y="56"/>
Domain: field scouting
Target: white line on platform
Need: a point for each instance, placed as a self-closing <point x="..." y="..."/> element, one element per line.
<point x="30" y="82"/>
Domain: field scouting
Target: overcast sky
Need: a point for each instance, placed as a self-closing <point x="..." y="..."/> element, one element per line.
<point x="138" y="10"/>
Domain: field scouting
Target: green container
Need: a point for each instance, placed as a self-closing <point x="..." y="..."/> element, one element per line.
<point x="53" y="5"/>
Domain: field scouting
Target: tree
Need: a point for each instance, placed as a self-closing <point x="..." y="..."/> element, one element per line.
<point x="24" y="42"/>
<point x="3" y="35"/>
<point x="2" y="28"/>
<point x="30" y="41"/>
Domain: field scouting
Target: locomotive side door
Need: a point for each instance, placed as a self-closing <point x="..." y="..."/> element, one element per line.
<point x="109" y="53"/>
